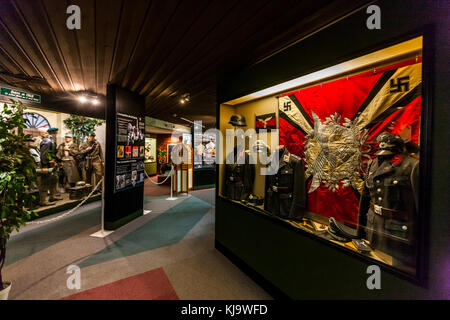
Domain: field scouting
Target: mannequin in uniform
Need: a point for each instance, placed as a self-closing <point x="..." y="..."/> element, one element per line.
<point x="239" y="173"/>
<point x="285" y="190"/>
<point x="389" y="202"/>
<point x="66" y="155"/>
<point x="47" y="188"/>
<point x="94" y="160"/>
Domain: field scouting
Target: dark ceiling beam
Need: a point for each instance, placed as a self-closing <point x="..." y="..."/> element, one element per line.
<point x="114" y="56"/>
<point x="106" y="24"/>
<point x="37" y="45"/>
<point x="19" y="47"/>
<point x="153" y="27"/>
<point x="212" y="18"/>
<point x="182" y="19"/>
<point x="58" y="46"/>
<point x="13" y="64"/>
<point x="145" y="66"/>
<point x="199" y="89"/>
<point x="211" y="68"/>
<point x="221" y="54"/>
<point x="159" y="48"/>
<point x="307" y="26"/>
<point x="140" y="37"/>
<point x="57" y="37"/>
<point x="240" y="17"/>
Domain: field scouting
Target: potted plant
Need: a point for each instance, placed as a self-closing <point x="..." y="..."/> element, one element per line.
<point x="81" y="127"/>
<point x="162" y="160"/>
<point x="17" y="173"/>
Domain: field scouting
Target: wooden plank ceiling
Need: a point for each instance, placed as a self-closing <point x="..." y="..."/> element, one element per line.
<point x="160" y="49"/>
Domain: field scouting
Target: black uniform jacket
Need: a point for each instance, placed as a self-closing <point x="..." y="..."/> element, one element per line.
<point x="388" y="206"/>
<point x="285" y="191"/>
<point x="239" y="176"/>
<point x="47" y="149"/>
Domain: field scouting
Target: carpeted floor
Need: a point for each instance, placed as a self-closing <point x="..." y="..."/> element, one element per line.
<point x="151" y="285"/>
<point x="167" y="254"/>
<point x="153" y="189"/>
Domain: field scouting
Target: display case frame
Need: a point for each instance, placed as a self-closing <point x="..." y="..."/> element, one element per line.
<point x="420" y="277"/>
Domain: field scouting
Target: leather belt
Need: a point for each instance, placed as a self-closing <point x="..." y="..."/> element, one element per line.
<point x="388" y="213"/>
<point x="235" y="179"/>
<point x="281" y="189"/>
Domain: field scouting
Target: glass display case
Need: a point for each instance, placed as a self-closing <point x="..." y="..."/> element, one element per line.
<point x="335" y="154"/>
<point x="204" y="150"/>
<point x="150" y="156"/>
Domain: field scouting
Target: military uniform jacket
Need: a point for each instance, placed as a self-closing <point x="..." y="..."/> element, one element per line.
<point x="92" y="151"/>
<point x="47" y="149"/>
<point x="69" y="162"/>
<point x="388" y="206"/>
<point x="239" y="176"/>
<point x="285" y="191"/>
<point x="73" y="151"/>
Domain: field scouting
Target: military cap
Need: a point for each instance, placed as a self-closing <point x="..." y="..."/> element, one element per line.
<point x="390" y="143"/>
<point x="92" y="134"/>
<point x="68" y="135"/>
<point x="50" y="130"/>
<point x="237" y="120"/>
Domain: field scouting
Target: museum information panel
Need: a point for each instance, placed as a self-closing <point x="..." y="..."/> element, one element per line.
<point x="129" y="171"/>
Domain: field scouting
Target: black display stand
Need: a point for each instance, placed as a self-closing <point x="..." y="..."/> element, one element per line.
<point x="300" y="265"/>
<point x="122" y="206"/>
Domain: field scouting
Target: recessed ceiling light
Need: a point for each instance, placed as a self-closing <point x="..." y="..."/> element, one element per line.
<point x="95" y="101"/>
<point x="82" y="99"/>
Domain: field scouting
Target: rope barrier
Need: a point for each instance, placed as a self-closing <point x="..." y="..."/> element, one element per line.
<point x="70" y="211"/>
<point x="158" y="183"/>
<point x="86" y="198"/>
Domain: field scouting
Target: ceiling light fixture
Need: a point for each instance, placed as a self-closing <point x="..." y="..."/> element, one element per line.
<point x="185" y="98"/>
<point x="84" y="98"/>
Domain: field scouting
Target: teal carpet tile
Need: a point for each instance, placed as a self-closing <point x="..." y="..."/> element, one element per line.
<point x="167" y="228"/>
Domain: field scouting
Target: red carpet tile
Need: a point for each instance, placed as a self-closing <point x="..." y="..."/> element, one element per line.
<point x="155" y="190"/>
<point x="150" y="285"/>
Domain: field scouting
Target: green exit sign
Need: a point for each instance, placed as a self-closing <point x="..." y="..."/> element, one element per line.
<point x="12" y="93"/>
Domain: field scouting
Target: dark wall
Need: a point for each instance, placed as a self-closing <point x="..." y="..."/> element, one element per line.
<point x="302" y="266"/>
<point x="204" y="177"/>
<point x="123" y="206"/>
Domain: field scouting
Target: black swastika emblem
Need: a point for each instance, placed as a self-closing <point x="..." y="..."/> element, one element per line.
<point x="287" y="106"/>
<point x="401" y="85"/>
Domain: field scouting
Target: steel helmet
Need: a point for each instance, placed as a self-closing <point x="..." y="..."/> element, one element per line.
<point x="237" y="120"/>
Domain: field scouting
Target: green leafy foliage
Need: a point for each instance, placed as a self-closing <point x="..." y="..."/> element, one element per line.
<point x="81" y="127"/>
<point x="161" y="156"/>
<point x="17" y="173"/>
